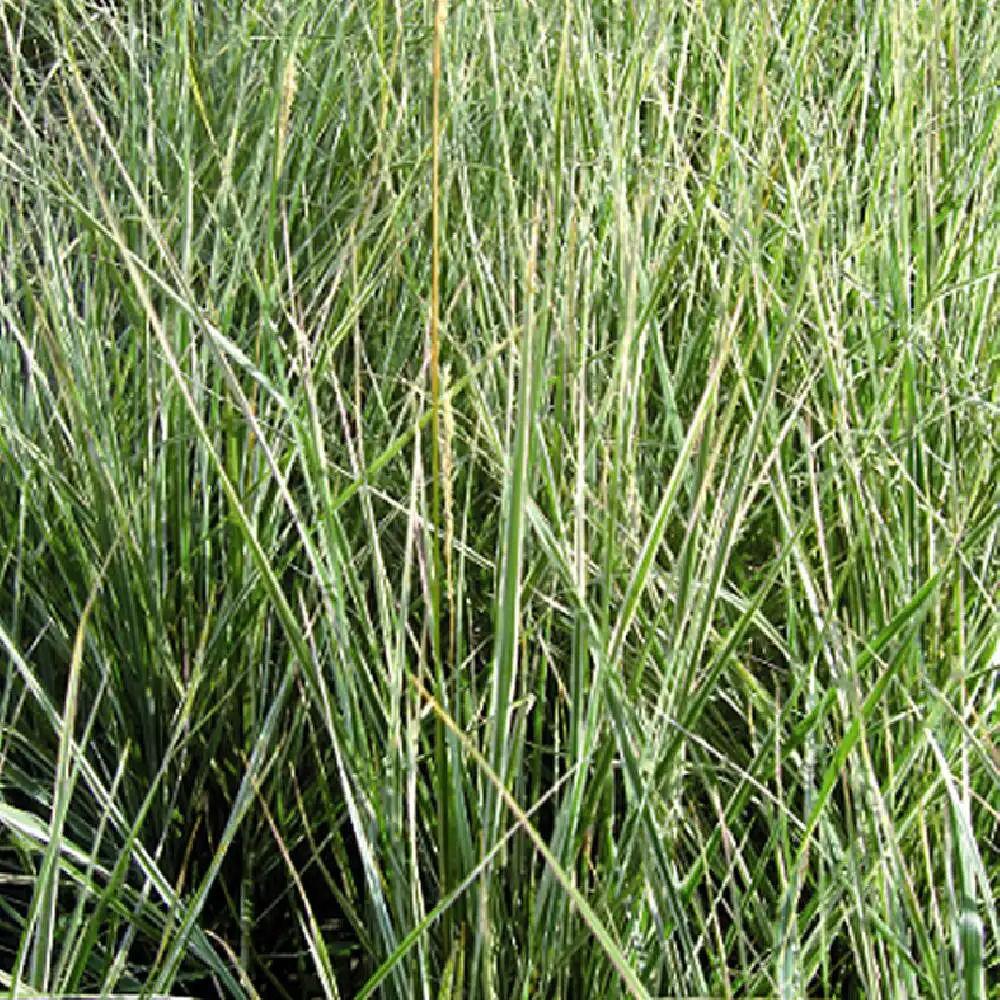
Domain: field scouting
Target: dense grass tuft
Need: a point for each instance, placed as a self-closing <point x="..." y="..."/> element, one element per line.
<point x="500" y="500"/>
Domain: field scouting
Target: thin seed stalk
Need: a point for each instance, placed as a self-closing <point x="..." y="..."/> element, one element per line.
<point x="445" y="854"/>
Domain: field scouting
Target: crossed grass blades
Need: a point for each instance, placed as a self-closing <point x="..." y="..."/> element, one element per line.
<point x="499" y="500"/>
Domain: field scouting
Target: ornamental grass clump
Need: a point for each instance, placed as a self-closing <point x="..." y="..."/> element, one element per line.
<point x="499" y="500"/>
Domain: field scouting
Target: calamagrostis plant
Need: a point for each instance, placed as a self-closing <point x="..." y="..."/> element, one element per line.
<point x="499" y="500"/>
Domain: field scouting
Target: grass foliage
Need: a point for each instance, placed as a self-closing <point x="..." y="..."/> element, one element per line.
<point x="500" y="499"/>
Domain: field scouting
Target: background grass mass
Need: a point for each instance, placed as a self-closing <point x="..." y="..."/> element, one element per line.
<point x="500" y="501"/>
